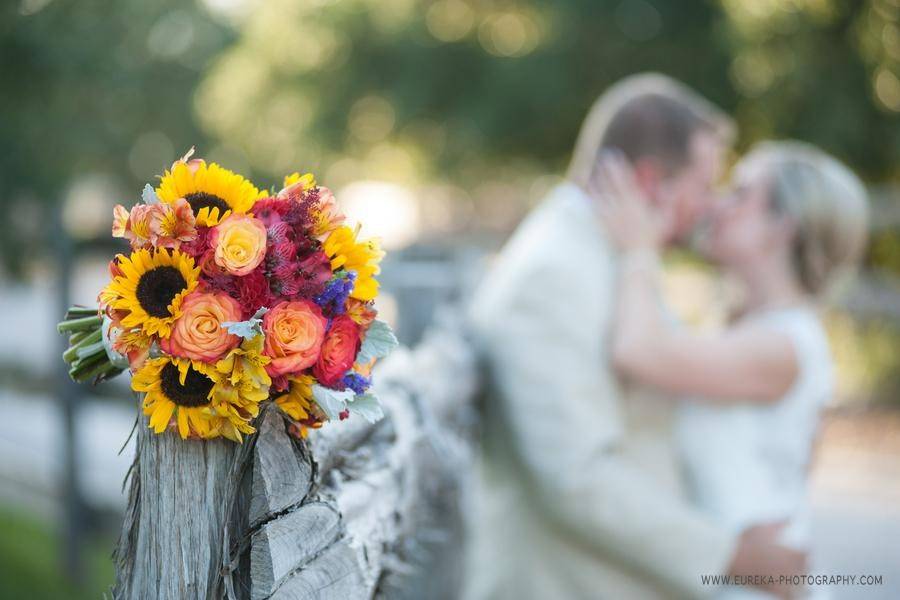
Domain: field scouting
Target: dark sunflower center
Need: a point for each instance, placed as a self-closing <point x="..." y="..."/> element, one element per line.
<point x="157" y="288"/>
<point x="199" y="200"/>
<point x="195" y="390"/>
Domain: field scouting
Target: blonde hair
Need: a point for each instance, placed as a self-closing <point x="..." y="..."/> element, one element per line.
<point x="828" y="204"/>
<point x="645" y="115"/>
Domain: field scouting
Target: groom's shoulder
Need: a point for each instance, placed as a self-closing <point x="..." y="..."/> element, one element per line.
<point x="561" y="227"/>
<point x="557" y="249"/>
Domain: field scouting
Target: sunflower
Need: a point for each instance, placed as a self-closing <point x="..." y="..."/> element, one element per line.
<point x="195" y="395"/>
<point x="175" y="387"/>
<point x="150" y="289"/>
<point x="362" y="257"/>
<point x="212" y="191"/>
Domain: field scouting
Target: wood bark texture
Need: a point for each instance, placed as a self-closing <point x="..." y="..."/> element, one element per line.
<point x="376" y="514"/>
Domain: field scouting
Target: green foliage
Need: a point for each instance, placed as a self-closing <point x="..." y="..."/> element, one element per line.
<point x="824" y="71"/>
<point x="452" y="88"/>
<point x="884" y="251"/>
<point x="410" y="90"/>
<point x="865" y="353"/>
<point x="29" y="562"/>
<point x="80" y="84"/>
<point x="415" y="90"/>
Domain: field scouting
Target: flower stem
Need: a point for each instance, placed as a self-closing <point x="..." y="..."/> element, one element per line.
<point x="76" y="312"/>
<point x="80" y="324"/>
<point x="75" y="350"/>
<point x="86" y="355"/>
<point x="90" y="350"/>
<point x="76" y="337"/>
<point x="102" y="368"/>
<point x="80" y="367"/>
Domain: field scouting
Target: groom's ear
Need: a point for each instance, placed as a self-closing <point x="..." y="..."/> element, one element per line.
<point x="649" y="174"/>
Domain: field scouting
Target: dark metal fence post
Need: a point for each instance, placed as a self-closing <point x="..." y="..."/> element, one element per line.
<point x="68" y="397"/>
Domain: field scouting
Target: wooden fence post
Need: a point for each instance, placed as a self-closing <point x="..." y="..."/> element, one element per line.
<point x="214" y="519"/>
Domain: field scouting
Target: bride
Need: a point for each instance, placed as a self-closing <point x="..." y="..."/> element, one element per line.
<point x="752" y="392"/>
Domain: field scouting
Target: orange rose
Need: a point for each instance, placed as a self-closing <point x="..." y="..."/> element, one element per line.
<point x="240" y="243"/>
<point x="338" y="351"/>
<point x="198" y="333"/>
<point x="294" y="333"/>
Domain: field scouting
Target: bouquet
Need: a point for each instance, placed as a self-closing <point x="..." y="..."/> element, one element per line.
<point x="231" y="297"/>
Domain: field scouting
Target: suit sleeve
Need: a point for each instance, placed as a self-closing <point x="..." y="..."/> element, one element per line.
<point x="561" y="406"/>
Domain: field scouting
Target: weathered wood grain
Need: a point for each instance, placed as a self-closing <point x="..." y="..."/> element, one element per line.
<point x="290" y="543"/>
<point x="334" y="575"/>
<point x="378" y="516"/>
<point x="170" y="547"/>
<point x="282" y="474"/>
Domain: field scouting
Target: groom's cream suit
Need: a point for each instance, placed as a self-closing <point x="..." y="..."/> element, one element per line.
<point x="578" y="490"/>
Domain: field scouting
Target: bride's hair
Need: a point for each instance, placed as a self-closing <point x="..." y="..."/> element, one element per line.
<point x="827" y="203"/>
<point x="645" y="115"/>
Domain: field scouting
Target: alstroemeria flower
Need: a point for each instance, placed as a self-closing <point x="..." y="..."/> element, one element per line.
<point x="157" y="225"/>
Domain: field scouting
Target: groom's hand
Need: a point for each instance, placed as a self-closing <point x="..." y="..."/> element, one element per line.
<point x="759" y="553"/>
<point x="623" y="206"/>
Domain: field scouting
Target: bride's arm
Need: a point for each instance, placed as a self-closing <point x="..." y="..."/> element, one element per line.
<point x="739" y="364"/>
<point x="749" y="363"/>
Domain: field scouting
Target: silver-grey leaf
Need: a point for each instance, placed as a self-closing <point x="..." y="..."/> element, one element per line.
<point x="379" y="342"/>
<point x="149" y="195"/>
<point x="248" y="329"/>
<point x="332" y="402"/>
<point x="366" y="406"/>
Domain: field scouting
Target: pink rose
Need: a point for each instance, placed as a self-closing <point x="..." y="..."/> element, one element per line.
<point x="198" y="333"/>
<point x="338" y="351"/>
<point x="240" y="243"/>
<point x="294" y="333"/>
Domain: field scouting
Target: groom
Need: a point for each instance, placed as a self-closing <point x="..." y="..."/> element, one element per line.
<point x="578" y="492"/>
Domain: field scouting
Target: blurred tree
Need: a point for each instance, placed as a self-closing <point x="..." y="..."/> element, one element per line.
<point x="90" y="88"/>
<point x="413" y="91"/>
<point x="410" y="89"/>
<point x="417" y="89"/>
<point x="824" y="71"/>
<point x="478" y="91"/>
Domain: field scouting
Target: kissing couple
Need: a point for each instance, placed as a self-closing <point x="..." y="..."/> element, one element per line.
<point x="624" y="454"/>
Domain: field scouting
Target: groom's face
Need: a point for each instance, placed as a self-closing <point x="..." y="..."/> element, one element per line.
<point x="689" y="192"/>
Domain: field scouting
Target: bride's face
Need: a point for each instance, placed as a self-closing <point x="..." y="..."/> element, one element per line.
<point x="743" y="228"/>
<point x="690" y="194"/>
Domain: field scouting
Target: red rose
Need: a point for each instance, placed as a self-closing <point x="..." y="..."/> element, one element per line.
<point x="338" y="351"/>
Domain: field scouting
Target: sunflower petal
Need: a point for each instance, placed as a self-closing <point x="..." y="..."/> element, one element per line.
<point x="159" y="420"/>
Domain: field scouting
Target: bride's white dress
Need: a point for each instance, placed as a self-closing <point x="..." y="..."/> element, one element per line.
<point x="748" y="464"/>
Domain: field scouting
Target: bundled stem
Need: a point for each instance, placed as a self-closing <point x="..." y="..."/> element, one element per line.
<point x="86" y="355"/>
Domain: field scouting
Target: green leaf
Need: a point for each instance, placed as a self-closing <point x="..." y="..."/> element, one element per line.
<point x="379" y="342"/>
<point x="366" y="406"/>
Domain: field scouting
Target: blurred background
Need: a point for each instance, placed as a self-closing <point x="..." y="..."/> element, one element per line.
<point x="439" y="123"/>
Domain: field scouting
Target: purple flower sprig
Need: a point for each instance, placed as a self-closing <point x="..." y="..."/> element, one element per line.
<point x="356" y="382"/>
<point x="333" y="299"/>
